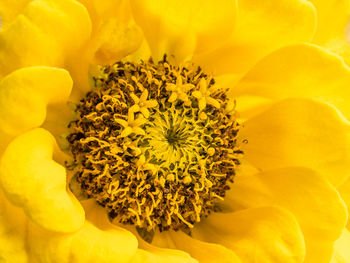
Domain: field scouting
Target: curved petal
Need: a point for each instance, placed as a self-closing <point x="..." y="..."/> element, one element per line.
<point x="305" y="71"/>
<point x="31" y="179"/>
<point x="264" y="234"/>
<point x="9" y="10"/>
<point x="113" y="41"/>
<point x="44" y="34"/>
<point x="89" y="244"/>
<point x="179" y="28"/>
<point x="13" y="226"/>
<point x="202" y="251"/>
<point x="97" y="241"/>
<point x="342" y="248"/>
<point x="29" y="90"/>
<point x="299" y="132"/>
<point x="344" y="191"/>
<point x="152" y="254"/>
<point x="262" y="26"/>
<point x="315" y="203"/>
<point x="332" y="19"/>
<point x="101" y="10"/>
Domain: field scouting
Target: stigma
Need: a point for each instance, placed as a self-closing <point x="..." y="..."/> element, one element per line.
<point x="155" y="144"/>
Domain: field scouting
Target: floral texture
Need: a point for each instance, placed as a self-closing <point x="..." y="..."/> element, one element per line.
<point x="250" y="96"/>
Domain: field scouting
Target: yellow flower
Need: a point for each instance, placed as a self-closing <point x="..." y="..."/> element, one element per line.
<point x="255" y="91"/>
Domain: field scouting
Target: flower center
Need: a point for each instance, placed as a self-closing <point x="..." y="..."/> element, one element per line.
<point x="155" y="144"/>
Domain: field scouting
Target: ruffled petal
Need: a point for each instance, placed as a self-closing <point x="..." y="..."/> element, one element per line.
<point x="342" y="248"/>
<point x="305" y="71"/>
<point x="44" y="34"/>
<point x="332" y="19"/>
<point x="344" y="191"/>
<point x="315" y="203"/>
<point x="29" y="90"/>
<point x="9" y="10"/>
<point x="264" y="234"/>
<point x="113" y="41"/>
<point x="12" y="233"/>
<point x="89" y="244"/>
<point x="299" y="132"/>
<point x="262" y="26"/>
<point x="202" y="251"/>
<point x="180" y="28"/>
<point x="153" y="254"/>
<point x="31" y="179"/>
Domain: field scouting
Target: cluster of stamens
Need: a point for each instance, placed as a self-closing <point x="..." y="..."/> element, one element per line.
<point x="155" y="144"/>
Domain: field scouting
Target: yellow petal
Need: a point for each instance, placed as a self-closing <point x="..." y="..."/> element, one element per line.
<point x="340" y="45"/>
<point x="23" y="44"/>
<point x="180" y="27"/>
<point x="332" y="19"/>
<point x="102" y="10"/>
<point x="342" y="248"/>
<point x="89" y="244"/>
<point x="299" y="71"/>
<point x="149" y="253"/>
<point x="44" y="34"/>
<point x="30" y="90"/>
<point x="12" y="233"/>
<point x="344" y="191"/>
<point x="152" y="254"/>
<point x="114" y="40"/>
<point x="202" y="251"/>
<point x="32" y="180"/>
<point x="314" y="202"/>
<point x="161" y="256"/>
<point x="9" y="10"/>
<point x="262" y="26"/>
<point x="299" y="132"/>
<point x="264" y="234"/>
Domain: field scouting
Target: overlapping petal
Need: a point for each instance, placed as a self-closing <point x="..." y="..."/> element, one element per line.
<point x="341" y="248"/>
<point x="262" y="26"/>
<point x="12" y="233"/>
<point x="264" y="234"/>
<point x="344" y="191"/>
<point x="299" y="132"/>
<point x="146" y="252"/>
<point x="31" y="179"/>
<point x="45" y="33"/>
<point x="315" y="203"/>
<point x="29" y="90"/>
<point x="150" y="254"/>
<point x="304" y="70"/>
<point x="9" y="10"/>
<point x="332" y="19"/>
<point x="202" y="251"/>
<point x="89" y="244"/>
<point x="181" y="28"/>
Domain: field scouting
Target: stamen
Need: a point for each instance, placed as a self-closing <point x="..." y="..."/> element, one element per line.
<point x="156" y="144"/>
